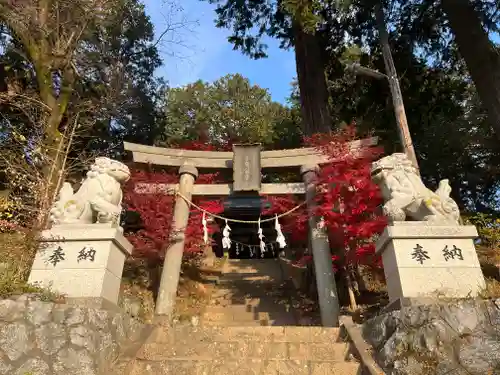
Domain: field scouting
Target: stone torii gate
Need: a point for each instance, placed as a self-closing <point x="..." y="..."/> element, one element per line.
<point x="246" y="162"/>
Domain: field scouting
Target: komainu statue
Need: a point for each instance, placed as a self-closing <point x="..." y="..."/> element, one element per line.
<point x="407" y="198"/>
<point x="99" y="198"/>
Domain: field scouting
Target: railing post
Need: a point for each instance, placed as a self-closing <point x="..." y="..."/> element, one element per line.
<point x="173" y="255"/>
<point x="318" y="242"/>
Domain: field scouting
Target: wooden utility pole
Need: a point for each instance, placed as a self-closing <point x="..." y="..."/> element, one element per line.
<point x="397" y="97"/>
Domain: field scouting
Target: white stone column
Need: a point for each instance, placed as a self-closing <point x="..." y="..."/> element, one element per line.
<point x="82" y="261"/>
<point x="422" y="260"/>
<point x="318" y="242"/>
<point x="173" y="256"/>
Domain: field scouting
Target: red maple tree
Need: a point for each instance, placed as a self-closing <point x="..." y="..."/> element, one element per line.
<point x="347" y="198"/>
<point x="155" y="208"/>
<point x="293" y="224"/>
<point x="349" y="202"/>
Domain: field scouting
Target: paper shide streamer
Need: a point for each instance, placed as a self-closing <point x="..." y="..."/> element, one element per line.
<point x="226" y="241"/>
<point x="280" y="238"/>
<point x="261" y="238"/>
<point x="253" y="249"/>
<point x="321" y="223"/>
<point x="205" y="229"/>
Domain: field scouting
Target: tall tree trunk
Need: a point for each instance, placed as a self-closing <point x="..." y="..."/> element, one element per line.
<point x="480" y="54"/>
<point x="54" y="141"/>
<point x="52" y="171"/>
<point x="312" y="83"/>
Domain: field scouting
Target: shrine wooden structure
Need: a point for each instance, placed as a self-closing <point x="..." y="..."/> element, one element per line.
<point x="246" y="162"/>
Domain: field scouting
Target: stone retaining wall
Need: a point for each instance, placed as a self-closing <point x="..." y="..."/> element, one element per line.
<point x="42" y="338"/>
<point x="454" y="337"/>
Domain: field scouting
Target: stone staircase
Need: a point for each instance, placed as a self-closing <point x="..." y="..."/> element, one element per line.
<point x="245" y="330"/>
<point x="245" y="351"/>
<point x="250" y="293"/>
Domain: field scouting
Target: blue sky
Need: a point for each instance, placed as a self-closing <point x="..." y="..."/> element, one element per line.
<point x="201" y="51"/>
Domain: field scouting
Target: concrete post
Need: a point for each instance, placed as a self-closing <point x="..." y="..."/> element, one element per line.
<point x="318" y="242"/>
<point x="173" y="256"/>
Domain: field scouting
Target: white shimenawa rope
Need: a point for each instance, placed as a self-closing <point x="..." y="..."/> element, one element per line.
<point x="241" y="221"/>
<point x="226" y="240"/>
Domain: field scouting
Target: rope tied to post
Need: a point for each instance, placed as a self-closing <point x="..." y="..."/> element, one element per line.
<point x="190" y="203"/>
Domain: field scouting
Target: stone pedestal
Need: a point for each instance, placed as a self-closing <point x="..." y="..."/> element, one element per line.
<point x="423" y="260"/>
<point x="84" y="262"/>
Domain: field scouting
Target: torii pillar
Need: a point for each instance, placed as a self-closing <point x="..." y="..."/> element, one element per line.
<point x="318" y="242"/>
<point x="169" y="283"/>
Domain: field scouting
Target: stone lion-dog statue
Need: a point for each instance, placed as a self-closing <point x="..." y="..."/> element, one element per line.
<point x="99" y="198"/>
<point x="407" y="198"/>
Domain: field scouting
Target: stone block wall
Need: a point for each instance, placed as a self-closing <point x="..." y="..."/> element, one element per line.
<point x="43" y="338"/>
<point x="453" y="337"/>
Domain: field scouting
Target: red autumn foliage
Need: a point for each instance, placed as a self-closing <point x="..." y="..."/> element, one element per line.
<point x="347" y="200"/>
<point x="156" y="210"/>
<point x="294" y="224"/>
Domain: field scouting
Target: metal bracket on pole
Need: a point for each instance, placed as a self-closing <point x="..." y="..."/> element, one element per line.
<point x="358" y="69"/>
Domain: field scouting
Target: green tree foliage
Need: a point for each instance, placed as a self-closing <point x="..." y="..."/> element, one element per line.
<point x="293" y="23"/>
<point x="76" y="78"/>
<point x="50" y="36"/>
<point x="130" y="97"/>
<point x="448" y="30"/>
<point x="446" y="119"/>
<point x="230" y="109"/>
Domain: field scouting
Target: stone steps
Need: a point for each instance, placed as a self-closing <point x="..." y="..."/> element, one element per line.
<point x="327" y="352"/>
<point x="244" y="309"/>
<point x="232" y="277"/>
<point x="249" y="323"/>
<point x="249" y="294"/>
<point x="233" y="314"/>
<point x="253" y="266"/>
<point x="246" y="315"/>
<point x="245" y="350"/>
<point x="248" y="329"/>
<point x="249" y="289"/>
<point x="245" y="367"/>
<point x="235" y="334"/>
